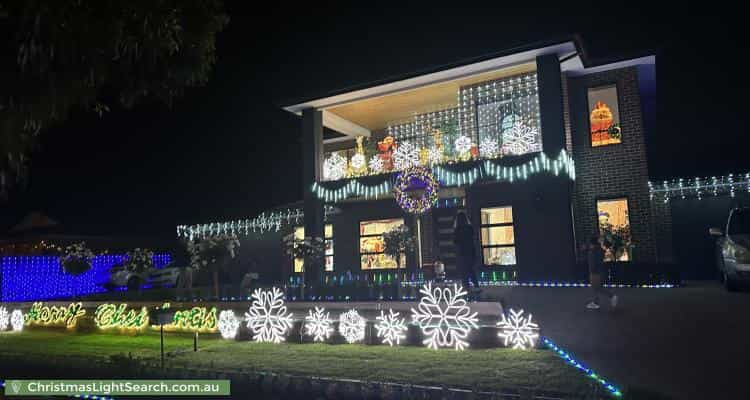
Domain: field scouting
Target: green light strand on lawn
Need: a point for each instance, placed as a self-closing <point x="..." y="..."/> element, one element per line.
<point x="40" y="314"/>
<point x="108" y="316"/>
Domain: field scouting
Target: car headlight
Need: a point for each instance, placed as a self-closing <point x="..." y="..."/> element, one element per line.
<point x="741" y="253"/>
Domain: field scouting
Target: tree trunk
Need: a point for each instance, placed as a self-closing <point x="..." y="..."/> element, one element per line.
<point x="216" y="281"/>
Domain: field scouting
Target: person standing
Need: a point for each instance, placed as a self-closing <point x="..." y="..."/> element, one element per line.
<point x="595" y="259"/>
<point x="463" y="238"/>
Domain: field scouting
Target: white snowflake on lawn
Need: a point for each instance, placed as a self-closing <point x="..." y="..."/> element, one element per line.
<point x="520" y="139"/>
<point x="444" y="317"/>
<point x="406" y="155"/>
<point x="4" y="317"/>
<point x="462" y="144"/>
<point x="434" y="156"/>
<point x="488" y="147"/>
<point x="334" y="167"/>
<point x="16" y="320"/>
<point x="228" y="324"/>
<point x="518" y="330"/>
<point x="318" y="324"/>
<point x="352" y="326"/>
<point x="391" y="328"/>
<point x="358" y="161"/>
<point x="376" y="164"/>
<point x="267" y="317"/>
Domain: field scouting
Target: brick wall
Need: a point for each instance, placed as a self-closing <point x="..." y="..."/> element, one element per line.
<point x="618" y="170"/>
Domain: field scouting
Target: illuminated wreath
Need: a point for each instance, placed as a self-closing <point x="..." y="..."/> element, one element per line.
<point x="416" y="177"/>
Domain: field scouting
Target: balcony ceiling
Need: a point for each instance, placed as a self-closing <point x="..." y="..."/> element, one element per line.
<point x="378" y="112"/>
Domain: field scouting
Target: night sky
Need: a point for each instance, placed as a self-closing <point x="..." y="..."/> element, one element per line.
<point x="228" y="151"/>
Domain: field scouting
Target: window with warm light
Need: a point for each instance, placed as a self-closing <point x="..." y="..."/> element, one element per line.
<point x="299" y="234"/>
<point x="604" y="116"/>
<point x="497" y="238"/>
<point x="614" y="228"/>
<point x="371" y="244"/>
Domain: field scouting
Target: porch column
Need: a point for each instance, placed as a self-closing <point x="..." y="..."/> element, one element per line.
<point x="312" y="164"/>
<point x="549" y="82"/>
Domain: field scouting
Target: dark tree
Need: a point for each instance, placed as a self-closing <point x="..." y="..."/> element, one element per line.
<point x="63" y="54"/>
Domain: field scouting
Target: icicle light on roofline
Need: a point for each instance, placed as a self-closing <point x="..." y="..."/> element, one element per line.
<point x="699" y="187"/>
<point x="488" y="170"/>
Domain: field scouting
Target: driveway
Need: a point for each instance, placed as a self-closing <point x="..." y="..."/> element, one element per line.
<point x="681" y="343"/>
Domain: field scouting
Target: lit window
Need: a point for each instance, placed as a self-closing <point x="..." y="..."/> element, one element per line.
<point x="614" y="228"/>
<point x="299" y="234"/>
<point x="604" y="116"/>
<point x="371" y="245"/>
<point x="498" y="240"/>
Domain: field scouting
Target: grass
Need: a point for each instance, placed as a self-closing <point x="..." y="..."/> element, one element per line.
<point x="487" y="369"/>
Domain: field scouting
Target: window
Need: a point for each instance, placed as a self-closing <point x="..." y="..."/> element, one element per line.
<point x="371" y="245"/>
<point x="614" y="228"/>
<point x="299" y="233"/>
<point x="497" y="238"/>
<point x="604" y="116"/>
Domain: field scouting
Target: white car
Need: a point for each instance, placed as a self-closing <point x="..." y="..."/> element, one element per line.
<point x="733" y="248"/>
<point x="155" y="277"/>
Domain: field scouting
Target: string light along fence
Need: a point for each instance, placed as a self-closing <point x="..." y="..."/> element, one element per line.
<point x="699" y="187"/>
<point x="30" y="278"/>
<point x="487" y="170"/>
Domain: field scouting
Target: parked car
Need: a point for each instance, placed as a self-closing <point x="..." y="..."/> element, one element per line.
<point x="120" y="276"/>
<point x="733" y="248"/>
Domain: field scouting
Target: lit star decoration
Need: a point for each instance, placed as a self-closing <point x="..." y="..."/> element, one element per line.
<point x="228" y="324"/>
<point x="267" y="317"/>
<point x="404" y="181"/>
<point x="352" y="326"/>
<point x="376" y="164"/>
<point x="391" y="328"/>
<point x="358" y="161"/>
<point x="16" y="321"/>
<point x="334" y="167"/>
<point x="517" y="330"/>
<point x="488" y="147"/>
<point x="444" y="317"/>
<point x="462" y="144"/>
<point x="4" y="318"/>
<point x="520" y="139"/>
<point x="318" y="324"/>
<point x="406" y="155"/>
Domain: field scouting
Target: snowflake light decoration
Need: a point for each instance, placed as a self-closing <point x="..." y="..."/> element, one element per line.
<point x="4" y="318"/>
<point x="352" y="326"/>
<point x="462" y="144"/>
<point x="520" y="139"/>
<point x="390" y="327"/>
<point x="406" y="155"/>
<point x="358" y="161"/>
<point x="444" y="317"/>
<point x="334" y="167"/>
<point x="376" y="164"/>
<point x="228" y="324"/>
<point x="318" y="324"/>
<point x="267" y="317"/>
<point x="488" y="147"/>
<point x="518" y="330"/>
<point x="16" y="321"/>
<point x="434" y="156"/>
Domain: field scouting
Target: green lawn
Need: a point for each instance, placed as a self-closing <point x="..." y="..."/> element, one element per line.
<point x="488" y="369"/>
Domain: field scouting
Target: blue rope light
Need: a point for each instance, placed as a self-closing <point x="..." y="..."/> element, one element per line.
<point x="612" y="389"/>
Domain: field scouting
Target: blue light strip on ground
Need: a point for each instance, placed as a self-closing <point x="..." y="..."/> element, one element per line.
<point x="613" y="390"/>
<point x="78" y="396"/>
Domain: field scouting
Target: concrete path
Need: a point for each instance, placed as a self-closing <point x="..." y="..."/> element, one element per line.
<point x="684" y="343"/>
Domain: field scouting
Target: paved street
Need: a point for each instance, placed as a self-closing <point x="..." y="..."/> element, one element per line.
<point x="683" y="343"/>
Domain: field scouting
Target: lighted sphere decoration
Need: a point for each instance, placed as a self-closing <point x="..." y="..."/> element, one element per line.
<point x="268" y="317"/>
<point x="517" y="330"/>
<point x="352" y="326"/>
<point x="404" y="182"/>
<point x="16" y="321"/>
<point x="229" y="325"/>
<point x="4" y="318"/>
<point x="444" y="317"/>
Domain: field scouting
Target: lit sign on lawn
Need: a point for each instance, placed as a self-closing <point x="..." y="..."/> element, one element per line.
<point x="118" y="316"/>
<point x="196" y="319"/>
<point x="40" y="314"/>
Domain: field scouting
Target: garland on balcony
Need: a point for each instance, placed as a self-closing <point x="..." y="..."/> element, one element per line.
<point x="486" y="170"/>
<point x="699" y="187"/>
